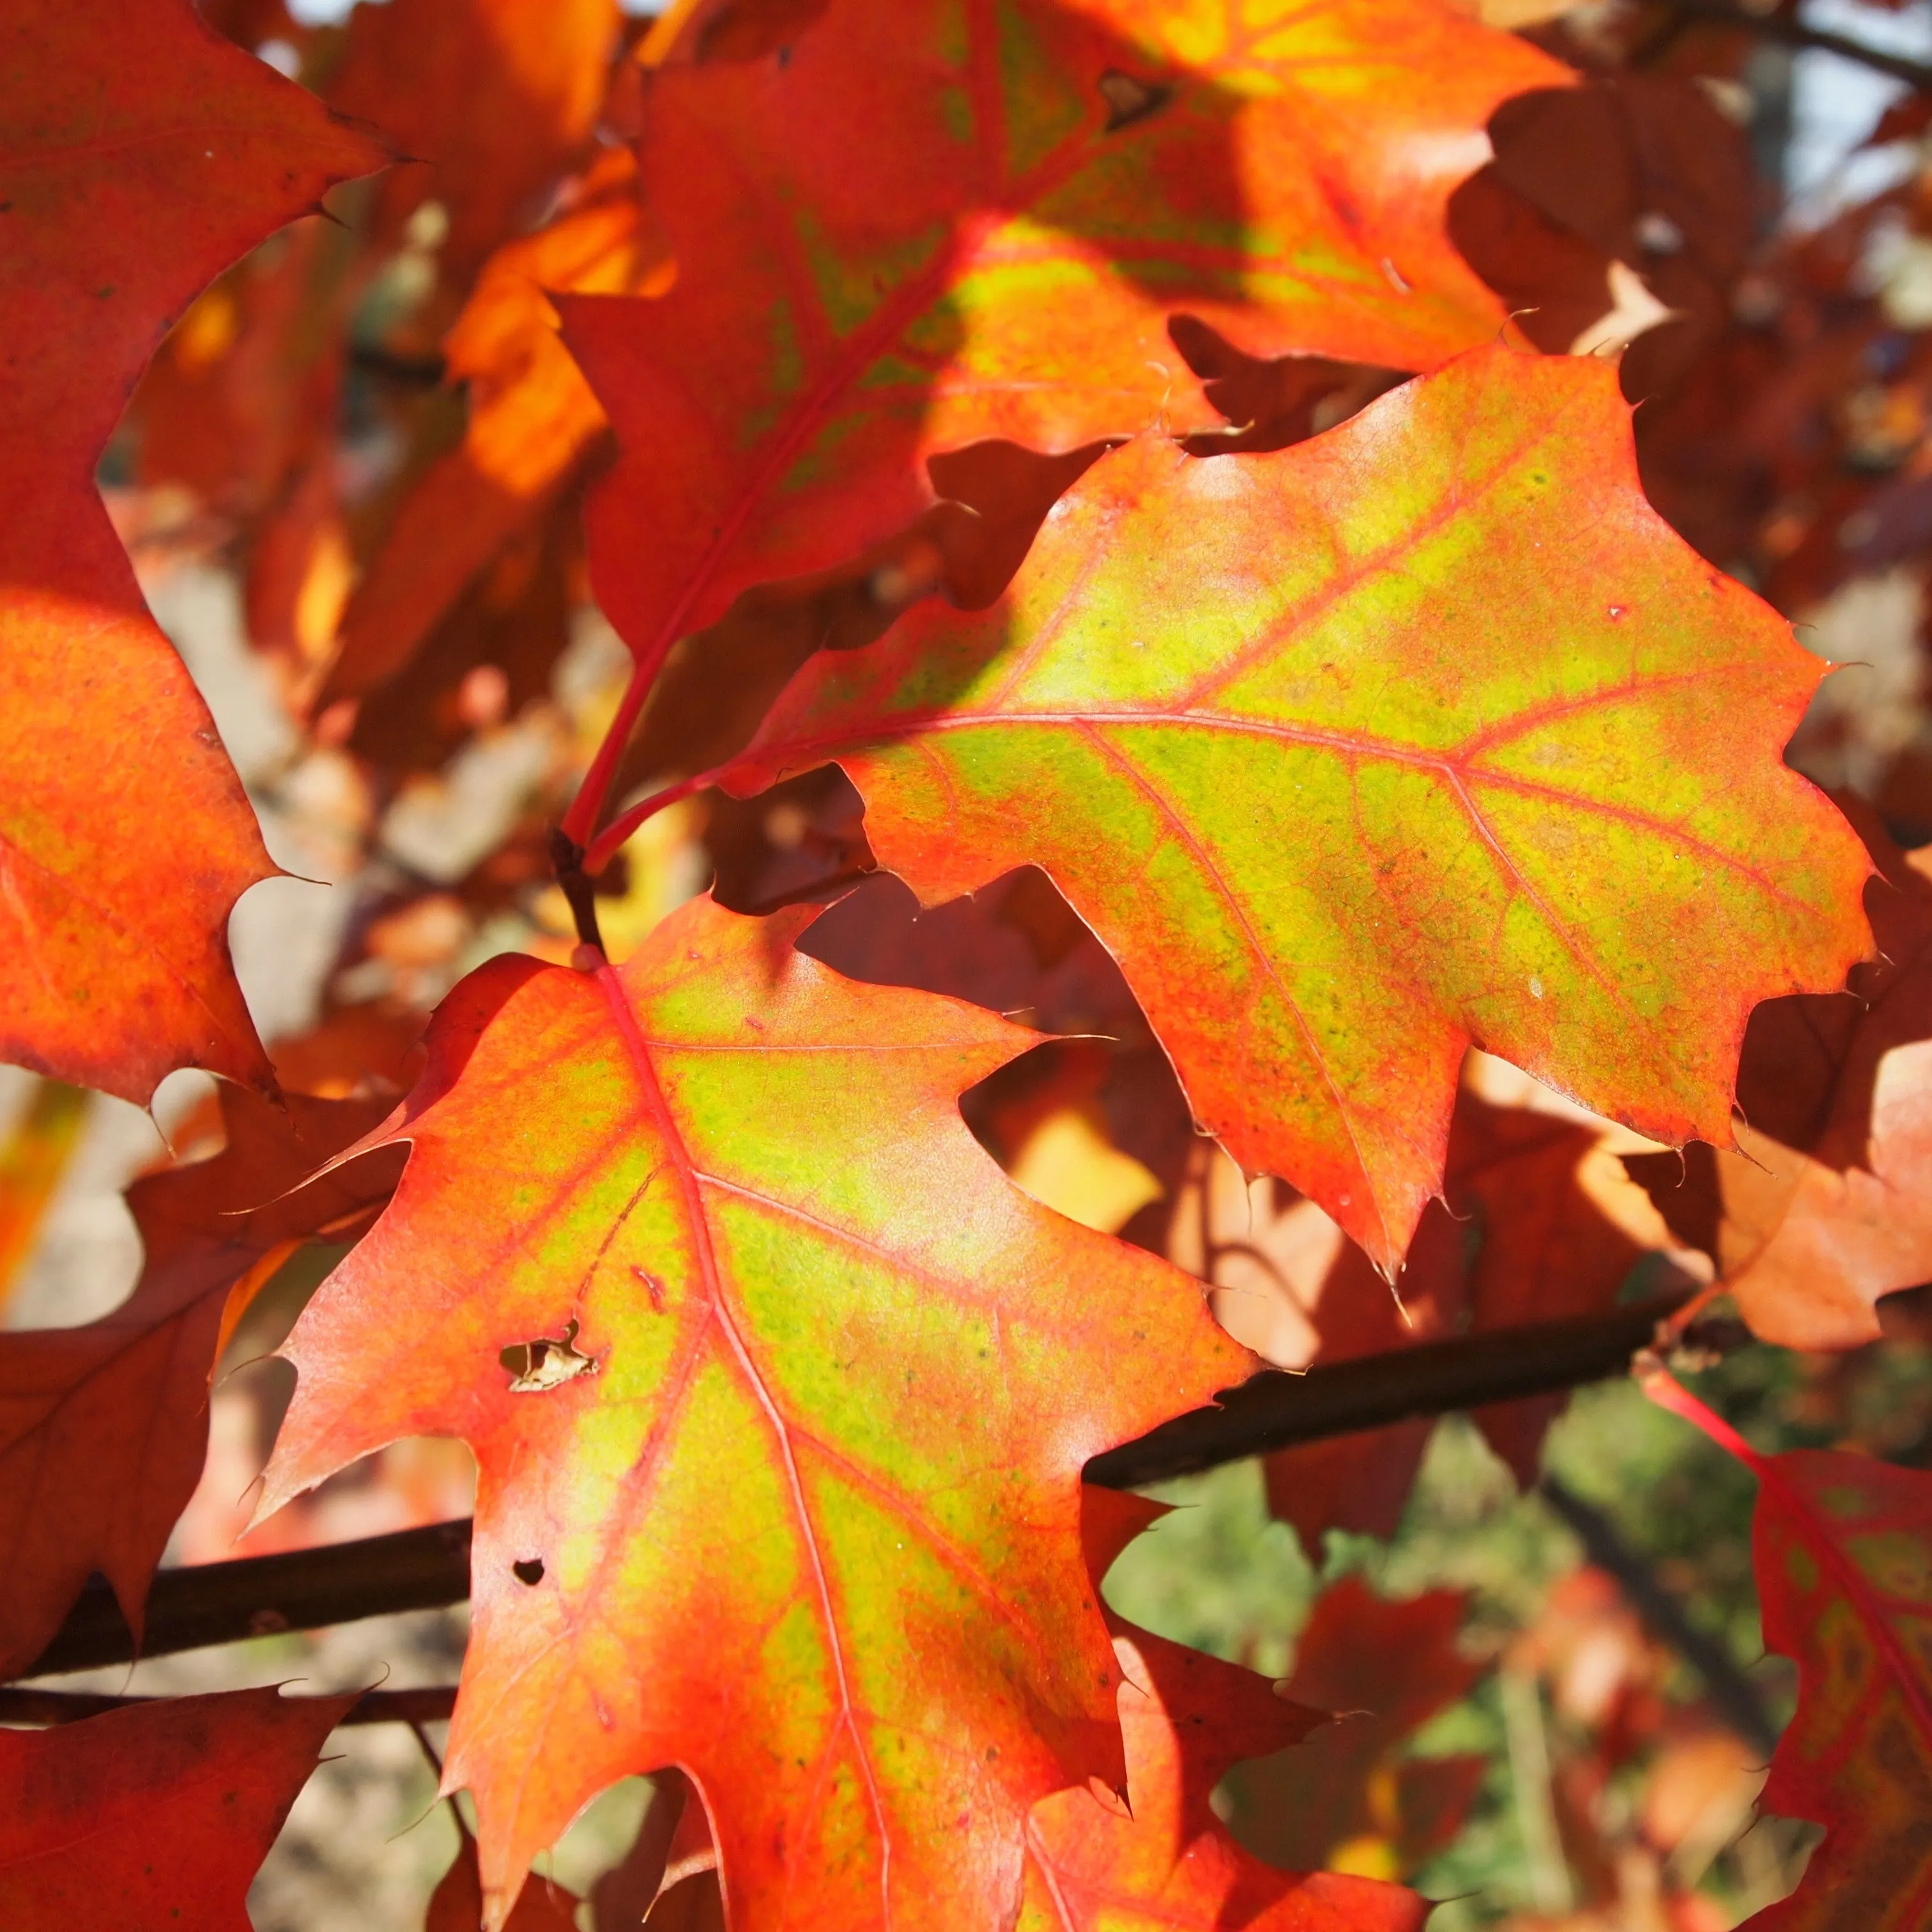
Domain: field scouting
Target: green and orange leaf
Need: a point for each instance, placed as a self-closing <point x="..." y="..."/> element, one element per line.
<point x="142" y="154"/>
<point x="779" y="1392"/>
<point x="1424" y="733"/>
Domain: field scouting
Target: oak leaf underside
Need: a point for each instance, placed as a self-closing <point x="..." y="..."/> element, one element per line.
<point x="1425" y="733"/>
<point x="1839" y="1546"/>
<point x="1840" y="1556"/>
<point x="734" y="1192"/>
<point x="113" y="775"/>
<point x="876" y="224"/>
<point x="155" y="1816"/>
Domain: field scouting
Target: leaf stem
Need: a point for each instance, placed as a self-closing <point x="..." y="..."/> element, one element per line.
<point x="581" y="816"/>
<point x="605" y="846"/>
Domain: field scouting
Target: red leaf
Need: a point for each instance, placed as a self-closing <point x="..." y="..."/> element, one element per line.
<point x="779" y="1393"/>
<point x="144" y="155"/>
<point x="1384" y="1668"/>
<point x="103" y="1429"/>
<point x="1095" y="1866"/>
<point x="880" y="225"/>
<point x="155" y="1817"/>
<point x="1844" y="1557"/>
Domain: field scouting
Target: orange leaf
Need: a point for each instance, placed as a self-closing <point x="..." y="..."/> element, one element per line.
<point x="779" y="1393"/>
<point x="1095" y="1866"/>
<point x="916" y="228"/>
<point x="533" y="421"/>
<point x="1425" y="733"/>
<point x="143" y="154"/>
<point x="491" y="100"/>
<point x="155" y="1817"/>
<point x="1824" y="1207"/>
<point x="102" y="1428"/>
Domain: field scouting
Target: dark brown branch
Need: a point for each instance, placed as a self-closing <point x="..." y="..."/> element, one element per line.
<point x="422" y="1569"/>
<point x="1795" y="34"/>
<point x="1275" y="1411"/>
<point x="255" y="1596"/>
<point x="20" y="1705"/>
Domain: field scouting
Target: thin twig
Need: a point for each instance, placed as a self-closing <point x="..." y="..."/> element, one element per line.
<point x="22" y="1705"/>
<point x="1732" y="1693"/>
<point x="422" y="1569"/>
<point x="1795" y="34"/>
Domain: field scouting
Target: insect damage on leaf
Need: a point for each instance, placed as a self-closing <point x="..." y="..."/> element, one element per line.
<point x="886" y="1648"/>
<point x="547" y="1363"/>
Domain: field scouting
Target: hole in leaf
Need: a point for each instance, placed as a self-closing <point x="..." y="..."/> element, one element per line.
<point x="546" y="1363"/>
<point x="1129" y="99"/>
<point x="530" y="1570"/>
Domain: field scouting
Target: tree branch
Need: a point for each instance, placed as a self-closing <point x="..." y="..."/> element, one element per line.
<point x="1794" y="33"/>
<point x="1731" y="1692"/>
<point x="20" y="1705"/>
<point x="425" y="1569"/>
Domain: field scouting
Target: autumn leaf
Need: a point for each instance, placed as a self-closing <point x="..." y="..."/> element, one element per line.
<point x="1423" y="733"/>
<point x="457" y="1903"/>
<point x="144" y="155"/>
<point x="779" y="1394"/>
<point x="103" y="1429"/>
<point x="1352" y="1789"/>
<point x="493" y="100"/>
<point x="532" y="423"/>
<point x="33" y="1157"/>
<point x="1842" y="1551"/>
<point x="1167" y="1862"/>
<point x="912" y="229"/>
<point x="1824" y="1206"/>
<point x="154" y="1817"/>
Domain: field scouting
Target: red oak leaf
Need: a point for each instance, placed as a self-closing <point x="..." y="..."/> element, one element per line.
<point x="1843" y="1548"/>
<point x="143" y="154"/>
<point x="779" y="1392"/>
<point x="1096" y="1866"/>
<point x="916" y="228"/>
<point x="1424" y="733"/>
<point x="155" y="1817"/>
<point x="103" y="1429"/>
